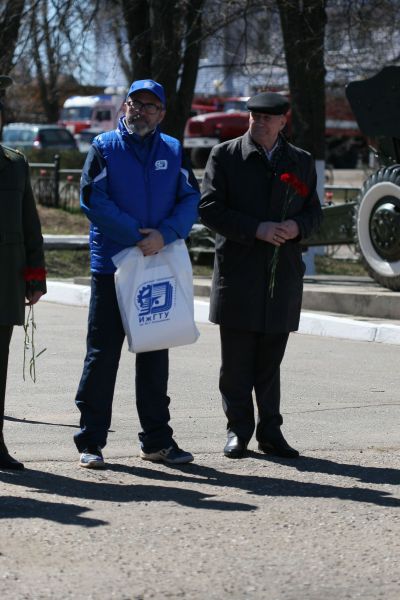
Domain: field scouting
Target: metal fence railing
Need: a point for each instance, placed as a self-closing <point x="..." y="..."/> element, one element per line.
<point x="59" y="188"/>
<point x="55" y="187"/>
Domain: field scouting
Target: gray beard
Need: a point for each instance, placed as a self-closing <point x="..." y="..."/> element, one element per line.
<point x="139" y="128"/>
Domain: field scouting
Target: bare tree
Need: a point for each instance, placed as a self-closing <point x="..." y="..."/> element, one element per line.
<point x="361" y="38"/>
<point x="56" y="31"/>
<point x="162" y="40"/>
<point x="46" y="56"/>
<point x="11" y="13"/>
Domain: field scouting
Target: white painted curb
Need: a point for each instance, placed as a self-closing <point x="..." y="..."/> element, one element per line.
<point x="310" y="323"/>
<point x="67" y="293"/>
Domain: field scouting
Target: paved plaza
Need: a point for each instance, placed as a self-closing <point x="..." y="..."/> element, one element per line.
<point x="324" y="527"/>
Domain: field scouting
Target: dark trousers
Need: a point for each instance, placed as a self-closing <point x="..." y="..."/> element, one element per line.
<point x="96" y="389"/>
<point x="5" y="338"/>
<point x="251" y="361"/>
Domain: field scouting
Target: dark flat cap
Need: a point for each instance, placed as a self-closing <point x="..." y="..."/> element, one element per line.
<point x="270" y="103"/>
<point x="5" y="82"/>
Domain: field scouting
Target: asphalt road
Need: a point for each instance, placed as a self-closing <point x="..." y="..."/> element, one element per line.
<point x="324" y="526"/>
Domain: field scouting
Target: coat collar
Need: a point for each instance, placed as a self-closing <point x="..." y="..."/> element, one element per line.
<point x="248" y="146"/>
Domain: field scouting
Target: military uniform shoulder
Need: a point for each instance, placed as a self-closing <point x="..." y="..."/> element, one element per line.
<point x="12" y="153"/>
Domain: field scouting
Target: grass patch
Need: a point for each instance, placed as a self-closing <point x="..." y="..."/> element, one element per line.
<point x="324" y="265"/>
<point x="202" y="270"/>
<point x="66" y="264"/>
<point x="75" y="263"/>
<point x="62" y="222"/>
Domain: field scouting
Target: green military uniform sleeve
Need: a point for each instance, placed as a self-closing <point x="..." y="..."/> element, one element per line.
<point x="21" y="241"/>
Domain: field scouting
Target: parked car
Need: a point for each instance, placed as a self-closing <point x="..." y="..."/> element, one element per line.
<point x="33" y="135"/>
<point x="85" y="138"/>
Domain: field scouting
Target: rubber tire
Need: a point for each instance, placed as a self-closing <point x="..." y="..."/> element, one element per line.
<point x="382" y="183"/>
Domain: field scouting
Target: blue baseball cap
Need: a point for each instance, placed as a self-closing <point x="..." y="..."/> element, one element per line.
<point x="148" y="85"/>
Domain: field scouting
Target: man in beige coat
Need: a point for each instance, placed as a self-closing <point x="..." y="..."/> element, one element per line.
<point x="21" y="260"/>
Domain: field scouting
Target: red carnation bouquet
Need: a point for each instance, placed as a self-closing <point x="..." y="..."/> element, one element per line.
<point x="294" y="186"/>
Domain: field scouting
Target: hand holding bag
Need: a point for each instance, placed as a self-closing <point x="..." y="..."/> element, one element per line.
<point x="155" y="297"/>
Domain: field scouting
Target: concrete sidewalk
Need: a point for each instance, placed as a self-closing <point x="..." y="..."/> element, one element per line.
<point x="324" y="526"/>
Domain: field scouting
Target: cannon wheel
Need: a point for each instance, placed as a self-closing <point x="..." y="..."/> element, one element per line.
<point x="377" y="226"/>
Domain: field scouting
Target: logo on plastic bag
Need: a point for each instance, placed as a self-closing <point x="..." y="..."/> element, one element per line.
<point x="154" y="301"/>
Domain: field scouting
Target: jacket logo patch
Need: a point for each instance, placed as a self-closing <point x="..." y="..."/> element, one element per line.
<point x="161" y="165"/>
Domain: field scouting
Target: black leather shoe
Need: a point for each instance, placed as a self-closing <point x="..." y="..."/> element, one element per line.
<point x="278" y="446"/>
<point x="235" y="447"/>
<point x="8" y="462"/>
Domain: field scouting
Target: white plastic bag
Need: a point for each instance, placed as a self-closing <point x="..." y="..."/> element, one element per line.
<point x="155" y="297"/>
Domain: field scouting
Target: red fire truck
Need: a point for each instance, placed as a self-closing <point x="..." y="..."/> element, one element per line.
<point x="95" y="112"/>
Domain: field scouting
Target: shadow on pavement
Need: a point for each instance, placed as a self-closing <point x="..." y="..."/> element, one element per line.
<point x="271" y="486"/>
<point x="12" y="507"/>
<point x="46" y="423"/>
<point x="99" y="490"/>
<point x="15" y="420"/>
<point x="379" y="475"/>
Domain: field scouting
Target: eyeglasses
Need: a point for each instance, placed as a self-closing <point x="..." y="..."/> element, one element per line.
<point x="147" y="107"/>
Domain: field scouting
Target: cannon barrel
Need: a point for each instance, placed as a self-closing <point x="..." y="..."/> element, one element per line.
<point x="375" y="103"/>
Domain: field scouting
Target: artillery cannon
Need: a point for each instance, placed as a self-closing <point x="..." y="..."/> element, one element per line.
<point x="372" y="221"/>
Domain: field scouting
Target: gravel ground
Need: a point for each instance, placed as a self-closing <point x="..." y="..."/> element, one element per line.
<point x="324" y="527"/>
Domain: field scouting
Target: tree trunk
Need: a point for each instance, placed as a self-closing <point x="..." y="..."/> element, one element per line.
<point x="303" y="29"/>
<point x="176" y="59"/>
<point x="137" y="22"/>
<point x="46" y="59"/>
<point x="165" y="40"/>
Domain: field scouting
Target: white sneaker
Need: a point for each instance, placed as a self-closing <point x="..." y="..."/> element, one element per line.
<point x="92" y="458"/>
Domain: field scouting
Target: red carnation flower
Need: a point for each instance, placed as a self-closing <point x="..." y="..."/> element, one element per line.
<point x="299" y="186"/>
<point x="302" y="190"/>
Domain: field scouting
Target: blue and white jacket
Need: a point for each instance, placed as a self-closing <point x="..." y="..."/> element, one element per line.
<point x="130" y="183"/>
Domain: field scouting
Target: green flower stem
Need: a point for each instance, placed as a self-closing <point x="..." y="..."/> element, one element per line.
<point x="29" y="344"/>
<point x="273" y="264"/>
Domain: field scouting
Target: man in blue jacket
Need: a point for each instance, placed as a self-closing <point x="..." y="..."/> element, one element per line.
<point x="135" y="191"/>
